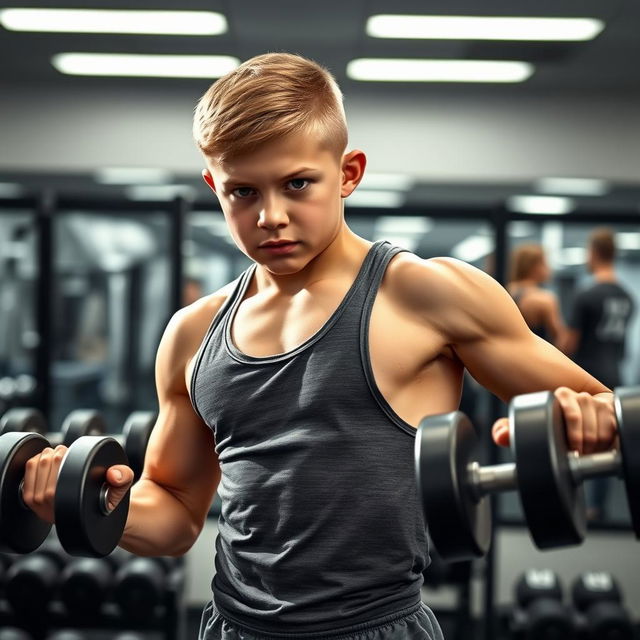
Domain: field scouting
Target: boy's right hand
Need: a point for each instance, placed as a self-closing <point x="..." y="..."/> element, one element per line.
<point x="41" y="477"/>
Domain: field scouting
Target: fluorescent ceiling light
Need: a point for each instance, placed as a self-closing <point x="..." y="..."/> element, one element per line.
<point x="483" y="28"/>
<point x="132" y="175"/>
<point x="386" y="199"/>
<point x="572" y="186"/>
<point x="628" y="240"/>
<point x="426" y="70"/>
<point x="131" y="64"/>
<point x="195" y="23"/>
<point x="384" y="181"/>
<point x="160" y="192"/>
<point x="540" y="204"/>
<point x="473" y="248"/>
<point x="573" y="255"/>
<point x="404" y="225"/>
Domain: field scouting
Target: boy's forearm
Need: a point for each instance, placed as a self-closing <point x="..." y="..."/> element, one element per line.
<point x="158" y="524"/>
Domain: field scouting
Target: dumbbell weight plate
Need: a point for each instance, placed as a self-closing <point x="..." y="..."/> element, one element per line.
<point x="460" y="525"/>
<point x="23" y="420"/>
<point x="136" y="432"/>
<point x="82" y="422"/>
<point x="83" y="527"/>
<point x="21" y="530"/>
<point x="627" y="406"/>
<point x="553" y="504"/>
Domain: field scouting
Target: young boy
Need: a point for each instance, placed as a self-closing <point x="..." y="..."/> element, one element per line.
<point x="296" y="389"/>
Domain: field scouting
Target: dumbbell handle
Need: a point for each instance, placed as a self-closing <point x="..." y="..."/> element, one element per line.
<point x="103" y="500"/>
<point x="504" y="477"/>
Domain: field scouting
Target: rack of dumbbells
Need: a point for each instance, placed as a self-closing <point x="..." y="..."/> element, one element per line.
<point x="72" y="582"/>
<point x="594" y="611"/>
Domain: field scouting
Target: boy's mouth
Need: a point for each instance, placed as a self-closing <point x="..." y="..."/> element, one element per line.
<point x="278" y="246"/>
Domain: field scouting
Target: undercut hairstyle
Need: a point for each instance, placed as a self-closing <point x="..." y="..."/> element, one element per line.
<point x="266" y="98"/>
<point x="603" y="245"/>
<point x="524" y="259"/>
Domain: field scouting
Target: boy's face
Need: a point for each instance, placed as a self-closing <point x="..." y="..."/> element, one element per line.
<point x="283" y="202"/>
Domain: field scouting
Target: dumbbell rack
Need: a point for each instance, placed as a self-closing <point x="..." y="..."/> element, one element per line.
<point x="170" y="620"/>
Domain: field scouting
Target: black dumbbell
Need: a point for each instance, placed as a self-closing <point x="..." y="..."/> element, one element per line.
<point x="597" y="596"/>
<point x="80" y="422"/>
<point x="86" y="583"/>
<point x="454" y="488"/>
<point x="14" y="633"/>
<point x="86" y="422"/>
<point x="539" y="613"/>
<point x="85" y="525"/>
<point x="141" y="586"/>
<point x="32" y="581"/>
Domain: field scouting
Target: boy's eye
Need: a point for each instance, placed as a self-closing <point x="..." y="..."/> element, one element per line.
<point x="298" y="184"/>
<point x="242" y="192"/>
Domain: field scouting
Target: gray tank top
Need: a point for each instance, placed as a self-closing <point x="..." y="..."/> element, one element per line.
<point x="320" y="523"/>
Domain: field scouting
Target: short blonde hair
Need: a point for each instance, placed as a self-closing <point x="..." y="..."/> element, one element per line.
<point x="268" y="97"/>
<point x="524" y="259"/>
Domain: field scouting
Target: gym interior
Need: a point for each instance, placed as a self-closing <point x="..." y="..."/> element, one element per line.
<point x="107" y="229"/>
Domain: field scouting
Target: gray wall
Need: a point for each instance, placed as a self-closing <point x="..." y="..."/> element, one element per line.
<point x="493" y="136"/>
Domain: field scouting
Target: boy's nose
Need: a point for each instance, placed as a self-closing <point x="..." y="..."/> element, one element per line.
<point x="273" y="216"/>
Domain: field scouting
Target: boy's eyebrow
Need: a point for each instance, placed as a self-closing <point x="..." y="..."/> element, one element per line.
<point x="236" y="181"/>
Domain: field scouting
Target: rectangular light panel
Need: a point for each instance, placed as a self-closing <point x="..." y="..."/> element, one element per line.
<point x="194" y="23"/>
<point x="428" y="70"/>
<point x="157" y="66"/>
<point x="483" y="28"/>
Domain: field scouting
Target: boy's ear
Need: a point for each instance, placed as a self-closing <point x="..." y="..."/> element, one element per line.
<point x="353" y="165"/>
<point x="208" y="178"/>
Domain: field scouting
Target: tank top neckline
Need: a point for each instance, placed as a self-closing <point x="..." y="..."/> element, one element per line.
<point x="240" y="356"/>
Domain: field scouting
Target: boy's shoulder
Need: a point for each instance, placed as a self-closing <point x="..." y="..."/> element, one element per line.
<point x="432" y="280"/>
<point x="187" y="327"/>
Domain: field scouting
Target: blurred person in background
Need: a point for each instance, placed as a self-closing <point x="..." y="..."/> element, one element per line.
<point x="598" y="324"/>
<point x="539" y="307"/>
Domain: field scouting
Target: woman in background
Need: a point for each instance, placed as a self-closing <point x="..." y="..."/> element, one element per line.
<point x="539" y="307"/>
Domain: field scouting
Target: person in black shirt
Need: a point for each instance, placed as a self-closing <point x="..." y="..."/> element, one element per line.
<point x="598" y="328"/>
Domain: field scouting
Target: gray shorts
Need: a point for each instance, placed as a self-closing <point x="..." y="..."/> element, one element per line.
<point x="418" y="623"/>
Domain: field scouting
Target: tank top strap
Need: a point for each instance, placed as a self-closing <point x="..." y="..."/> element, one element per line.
<point x="230" y="303"/>
<point x="383" y="252"/>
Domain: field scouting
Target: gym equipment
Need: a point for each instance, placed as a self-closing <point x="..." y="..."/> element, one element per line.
<point x="85" y="525"/>
<point x="141" y="585"/>
<point x="87" y="422"/>
<point x="81" y="422"/>
<point x="548" y="477"/>
<point x="32" y="580"/>
<point x="21" y="530"/>
<point x="539" y="613"/>
<point x="596" y="595"/>
<point x="86" y="583"/>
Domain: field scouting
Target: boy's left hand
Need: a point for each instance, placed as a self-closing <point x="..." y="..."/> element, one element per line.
<point x="590" y="421"/>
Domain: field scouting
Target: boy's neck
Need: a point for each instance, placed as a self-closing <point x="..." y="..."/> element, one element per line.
<point x="344" y="254"/>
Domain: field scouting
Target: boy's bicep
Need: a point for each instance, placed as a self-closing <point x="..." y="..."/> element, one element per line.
<point x="181" y="456"/>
